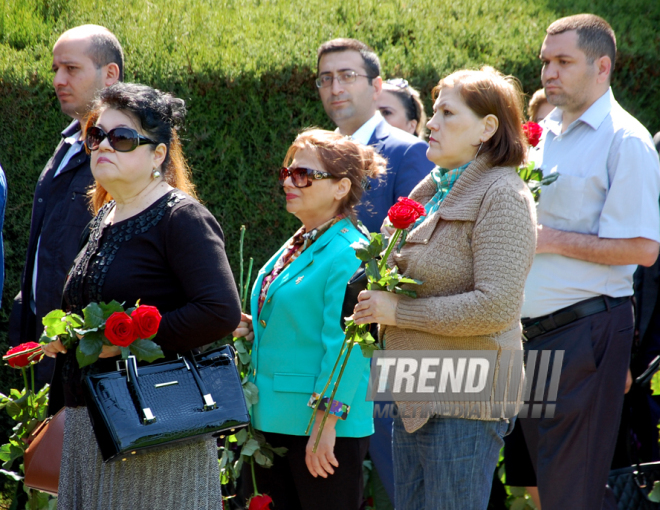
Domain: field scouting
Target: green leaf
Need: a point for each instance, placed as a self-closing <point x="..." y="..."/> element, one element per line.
<point x="366" y="339"/>
<point x="146" y="350"/>
<point x="110" y="308"/>
<point x="53" y="323"/>
<point x="372" y="270"/>
<point x="85" y="359"/>
<point x="655" y="384"/>
<point x="404" y="279"/>
<point x="93" y="314"/>
<point x="368" y="350"/>
<point x="655" y="493"/>
<point x="536" y="175"/>
<point x="281" y="451"/>
<point x="250" y="447"/>
<point x="241" y="436"/>
<point x="251" y="393"/>
<point x="73" y="320"/>
<point x="261" y="459"/>
<point x="409" y="293"/>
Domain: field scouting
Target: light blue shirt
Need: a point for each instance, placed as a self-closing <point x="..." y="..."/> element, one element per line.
<point x="608" y="185"/>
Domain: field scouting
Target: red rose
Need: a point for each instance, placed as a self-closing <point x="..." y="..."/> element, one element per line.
<point x="260" y="502"/>
<point x="533" y="133"/>
<point x="405" y="212"/>
<point x="23" y="360"/>
<point x="146" y="320"/>
<point x="120" y="329"/>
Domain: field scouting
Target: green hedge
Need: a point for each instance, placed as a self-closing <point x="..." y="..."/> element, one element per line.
<point x="246" y="68"/>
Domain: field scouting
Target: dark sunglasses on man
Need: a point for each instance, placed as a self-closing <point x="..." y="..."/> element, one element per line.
<point x="302" y="177"/>
<point x="121" y="139"/>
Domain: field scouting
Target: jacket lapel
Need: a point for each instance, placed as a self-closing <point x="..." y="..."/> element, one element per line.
<point x="304" y="260"/>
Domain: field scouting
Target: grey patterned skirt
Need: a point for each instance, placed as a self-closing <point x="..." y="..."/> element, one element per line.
<point x="184" y="477"/>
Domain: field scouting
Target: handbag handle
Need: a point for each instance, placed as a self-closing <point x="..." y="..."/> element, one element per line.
<point x="134" y="385"/>
<point x="209" y="403"/>
<point x="132" y="380"/>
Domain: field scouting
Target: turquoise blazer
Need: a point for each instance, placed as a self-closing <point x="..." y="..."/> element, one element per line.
<point x="297" y="337"/>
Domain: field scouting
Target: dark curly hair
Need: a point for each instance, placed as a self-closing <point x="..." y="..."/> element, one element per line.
<point x="159" y="115"/>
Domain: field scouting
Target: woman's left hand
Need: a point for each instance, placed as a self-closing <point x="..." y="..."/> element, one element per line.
<point x="109" y="351"/>
<point x="376" y="306"/>
<point x="321" y="462"/>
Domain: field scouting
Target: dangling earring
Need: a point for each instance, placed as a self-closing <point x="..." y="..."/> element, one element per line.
<point x="155" y="173"/>
<point x="479" y="150"/>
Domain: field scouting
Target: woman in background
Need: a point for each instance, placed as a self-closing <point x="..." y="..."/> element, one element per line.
<point x="401" y="106"/>
<point x="538" y="108"/>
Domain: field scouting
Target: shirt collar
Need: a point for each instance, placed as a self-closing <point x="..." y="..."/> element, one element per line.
<point x="71" y="133"/>
<point x="593" y="117"/>
<point x="365" y="132"/>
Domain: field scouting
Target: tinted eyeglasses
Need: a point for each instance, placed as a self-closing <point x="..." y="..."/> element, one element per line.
<point x="121" y="139"/>
<point x="302" y="177"/>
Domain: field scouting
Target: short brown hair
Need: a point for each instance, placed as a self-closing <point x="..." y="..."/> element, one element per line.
<point x="595" y="35"/>
<point x="489" y="92"/>
<point x="341" y="157"/>
<point x="369" y="57"/>
<point x="537" y="100"/>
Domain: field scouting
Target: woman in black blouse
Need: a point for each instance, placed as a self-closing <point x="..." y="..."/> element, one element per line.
<point x="152" y="241"/>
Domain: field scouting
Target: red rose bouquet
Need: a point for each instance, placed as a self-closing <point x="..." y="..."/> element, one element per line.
<point x="402" y="215"/>
<point x="131" y="330"/>
<point x="533" y="176"/>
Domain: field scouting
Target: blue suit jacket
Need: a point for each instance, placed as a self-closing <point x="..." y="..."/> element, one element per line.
<point x="407" y="164"/>
<point x="297" y="338"/>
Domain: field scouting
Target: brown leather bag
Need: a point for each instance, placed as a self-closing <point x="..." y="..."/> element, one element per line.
<point x="43" y="456"/>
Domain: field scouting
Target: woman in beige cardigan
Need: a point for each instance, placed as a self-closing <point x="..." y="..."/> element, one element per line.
<point x="472" y="252"/>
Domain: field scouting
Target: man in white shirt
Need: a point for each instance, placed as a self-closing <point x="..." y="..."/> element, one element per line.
<point x="597" y="222"/>
<point x="86" y="59"/>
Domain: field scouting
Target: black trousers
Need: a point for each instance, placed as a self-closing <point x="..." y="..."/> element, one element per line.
<point x="291" y="485"/>
<point x="572" y="451"/>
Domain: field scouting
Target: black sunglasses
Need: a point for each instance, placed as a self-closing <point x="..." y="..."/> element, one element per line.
<point x="302" y="177"/>
<point x="121" y="139"/>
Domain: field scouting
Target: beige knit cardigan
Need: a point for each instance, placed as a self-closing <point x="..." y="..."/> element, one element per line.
<point x="473" y="255"/>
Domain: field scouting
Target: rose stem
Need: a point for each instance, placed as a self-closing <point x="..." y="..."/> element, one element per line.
<point x="254" y="478"/>
<point x="318" y="401"/>
<point x="390" y="247"/>
<point x="332" y="397"/>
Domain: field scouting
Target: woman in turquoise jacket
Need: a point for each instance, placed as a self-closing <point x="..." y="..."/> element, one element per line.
<point x="296" y="304"/>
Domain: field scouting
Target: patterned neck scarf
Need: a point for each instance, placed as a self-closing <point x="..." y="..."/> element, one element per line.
<point x="444" y="182"/>
<point x="299" y="243"/>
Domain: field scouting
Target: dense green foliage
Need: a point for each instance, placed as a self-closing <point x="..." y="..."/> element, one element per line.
<point x="247" y="70"/>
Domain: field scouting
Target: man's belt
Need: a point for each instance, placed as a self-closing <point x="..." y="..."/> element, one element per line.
<point x="541" y="325"/>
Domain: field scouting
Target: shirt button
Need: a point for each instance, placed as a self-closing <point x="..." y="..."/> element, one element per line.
<point x="255" y="372"/>
<point x="269" y="300"/>
<point x="262" y="322"/>
<point x="40" y="200"/>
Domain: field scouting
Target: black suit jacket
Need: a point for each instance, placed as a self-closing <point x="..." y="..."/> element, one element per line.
<point x="60" y="212"/>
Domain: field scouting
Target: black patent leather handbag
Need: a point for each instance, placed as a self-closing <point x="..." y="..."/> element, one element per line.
<point x="138" y="410"/>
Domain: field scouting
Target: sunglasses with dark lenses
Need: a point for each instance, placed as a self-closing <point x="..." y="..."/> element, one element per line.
<point x="121" y="139"/>
<point x="302" y="177"/>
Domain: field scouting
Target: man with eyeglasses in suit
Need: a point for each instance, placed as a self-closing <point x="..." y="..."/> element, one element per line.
<point x="349" y="84"/>
<point x="86" y="59"/>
